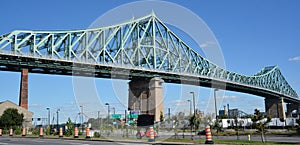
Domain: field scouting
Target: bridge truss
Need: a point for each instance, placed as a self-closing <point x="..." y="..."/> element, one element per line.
<point x="145" y="45"/>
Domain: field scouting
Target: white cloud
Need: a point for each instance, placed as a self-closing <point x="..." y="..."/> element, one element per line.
<point x="36" y="105"/>
<point x="203" y="45"/>
<point x="178" y="102"/>
<point x="232" y="98"/>
<point x="206" y="44"/>
<point x="297" y="58"/>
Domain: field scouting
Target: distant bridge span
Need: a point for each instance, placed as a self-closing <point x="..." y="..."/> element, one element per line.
<point x="140" y="48"/>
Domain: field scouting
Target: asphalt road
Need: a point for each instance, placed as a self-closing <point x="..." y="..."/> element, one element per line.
<point x="37" y="141"/>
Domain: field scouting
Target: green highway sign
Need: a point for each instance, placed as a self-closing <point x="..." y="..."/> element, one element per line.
<point x="131" y="122"/>
<point x="132" y="115"/>
<point x="115" y="116"/>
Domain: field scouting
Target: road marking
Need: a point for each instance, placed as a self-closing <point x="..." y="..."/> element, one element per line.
<point x="78" y="143"/>
<point x="3" y="143"/>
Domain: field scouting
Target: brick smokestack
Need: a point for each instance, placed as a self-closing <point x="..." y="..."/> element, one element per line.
<point x="23" y="100"/>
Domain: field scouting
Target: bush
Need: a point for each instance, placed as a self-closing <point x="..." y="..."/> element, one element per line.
<point x="298" y="130"/>
<point x="18" y="131"/>
<point x="97" y="135"/>
<point x="35" y="132"/>
<point x="48" y="131"/>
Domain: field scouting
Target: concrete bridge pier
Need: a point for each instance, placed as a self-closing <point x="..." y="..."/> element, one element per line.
<point x="23" y="98"/>
<point x="274" y="107"/>
<point x="146" y="96"/>
<point x="290" y="107"/>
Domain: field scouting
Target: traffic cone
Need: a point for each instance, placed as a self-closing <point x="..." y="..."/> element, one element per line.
<point x="208" y="136"/>
<point x="88" y="135"/>
<point x="11" y="132"/>
<point x="60" y="132"/>
<point x="41" y="132"/>
<point x="24" y="132"/>
<point x="76" y="132"/>
<point x="151" y="135"/>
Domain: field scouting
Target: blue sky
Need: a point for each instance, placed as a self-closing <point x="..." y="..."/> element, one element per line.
<point x="252" y="34"/>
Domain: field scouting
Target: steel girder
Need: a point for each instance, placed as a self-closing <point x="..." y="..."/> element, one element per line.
<point x="143" y="43"/>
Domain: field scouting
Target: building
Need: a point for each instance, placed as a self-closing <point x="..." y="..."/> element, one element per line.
<point x="232" y="113"/>
<point x="27" y="114"/>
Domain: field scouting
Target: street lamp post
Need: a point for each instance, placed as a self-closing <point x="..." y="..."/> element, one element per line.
<point x="190" y="106"/>
<point x="193" y="93"/>
<point x="99" y="119"/>
<point x="108" y="111"/>
<point x="57" y="120"/>
<point x="48" y="116"/>
<point x="114" y="110"/>
<point x="215" y="90"/>
<point x="81" y="112"/>
<point x="194" y="115"/>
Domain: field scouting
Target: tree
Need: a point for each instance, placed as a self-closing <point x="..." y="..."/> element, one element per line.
<point x="11" y="118"/>
<point x="176" y="125"/>
<point x="217" y="125"/>
<point x="260" y="123"/>
<point x="237" y="123"/>
<point x="161" y="117"/>
<point x="70" y="128"/>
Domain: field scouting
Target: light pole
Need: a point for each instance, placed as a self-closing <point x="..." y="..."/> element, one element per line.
<point x="99" y="119"/>
<point x="190" y="106"/>
<point x="81" y="112"/>
<point x="57" y="120"/>
<point x="114" y="110"/>
<point x="48" y="116"/>
<point x="215" y="90"/>
<point x="193" y="93"/>
<point x="194" y="115"/>
<point x="108" y="111"/>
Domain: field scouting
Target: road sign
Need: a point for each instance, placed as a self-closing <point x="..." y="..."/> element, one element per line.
<point x="135" y="111"/>
<point x="132" y="115"/>
<point x="131" y="122"/>
<point x="115" y="116"/>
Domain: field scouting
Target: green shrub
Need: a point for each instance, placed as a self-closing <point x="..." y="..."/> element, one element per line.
<point x="18" y="131"/>
<point x="97" y="135"/>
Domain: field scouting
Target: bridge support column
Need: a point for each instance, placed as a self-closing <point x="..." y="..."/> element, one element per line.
<point x="146" y="96"/>
<point x="23" y="98"/>
<point x="290" y="107"/>
<point x="274" y="107"/>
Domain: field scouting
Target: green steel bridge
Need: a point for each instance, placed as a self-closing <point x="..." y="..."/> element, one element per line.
<point x="140" y="48"/>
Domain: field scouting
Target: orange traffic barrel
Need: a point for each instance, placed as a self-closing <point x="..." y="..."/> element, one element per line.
<point x="0" y="132"/>
<point x="41" y="132"/>
<point x="151" y="135"/>
<point x="76" y="132"/>
<point x="208" y="136"/>
<point x="88" y="134"/>
<point x="23" y="131"/>
<point x="11" y="132"/>
<point x="60" y="132"/>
